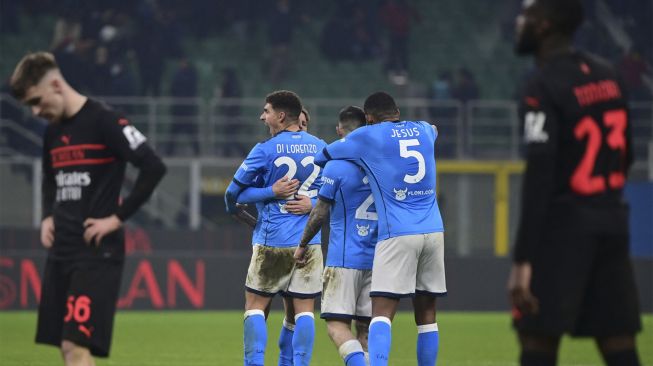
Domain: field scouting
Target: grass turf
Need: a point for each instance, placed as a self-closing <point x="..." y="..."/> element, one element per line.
<point x="215" y="338"/>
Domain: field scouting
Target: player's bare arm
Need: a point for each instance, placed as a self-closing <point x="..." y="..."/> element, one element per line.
<point x="47" y="232"/>
<point x="519" y="289"/>
<point x="96" y="229"/>
<point x="301" y="205"/>
<point x="315" y="221"/>
<point x="244" y="217"/>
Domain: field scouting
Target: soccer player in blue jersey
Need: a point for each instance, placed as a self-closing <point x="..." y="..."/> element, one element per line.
<point x="399" y="160"/>
<point x="288" y="153"/>
<point x="299" y="206"/>
<point x="347" y="197"/>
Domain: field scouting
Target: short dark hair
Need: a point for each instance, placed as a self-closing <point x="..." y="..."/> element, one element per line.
<point x="29" y="72"/>
<point x="380" y="105"/>
<point x="565" y="15"/>
<point x="352" y="117"/>
<point x="285" y="101"/>
<point x="308" y="116"/>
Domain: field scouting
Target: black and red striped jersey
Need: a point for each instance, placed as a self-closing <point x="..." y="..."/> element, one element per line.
<point x="578" y="141"/>
<point x="84" y="160"/>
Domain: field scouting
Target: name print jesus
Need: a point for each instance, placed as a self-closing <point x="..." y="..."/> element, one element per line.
<point x="405" y="132"/>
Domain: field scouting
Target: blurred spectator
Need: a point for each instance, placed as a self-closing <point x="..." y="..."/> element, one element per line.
<point x="396" y="17"/>
<point x="64" y="45"/>
<point x="281" y="22"/>
<point x="444" y="115"/>
<point x="184" y="112"/>
<point x="349" y="34"/>
<point x="114" y="76"/>
<point x="9" y="17"/>
<point x="230" y="110"/>
<point x="441" y="87"/>
<point x="157" y="40"/>
<point x="465" y="87"/>
<point x="633" y="69"/>
<point x="365" y="44"/>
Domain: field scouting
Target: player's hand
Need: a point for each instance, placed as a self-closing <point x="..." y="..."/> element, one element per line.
<point x="301" y="205"/>
<point x="300" y="255"/>
<point x="284" y="187"/>
<point x="47" y="232"/>
<point x="96" y="229"/>
<point x="519" y="289"/>
<point x="245" y="217"/>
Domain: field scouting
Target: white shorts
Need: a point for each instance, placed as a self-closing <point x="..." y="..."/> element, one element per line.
<point x="409" y="264"/>
<point x="272" y="271"/>
<point x="346" y="294"/>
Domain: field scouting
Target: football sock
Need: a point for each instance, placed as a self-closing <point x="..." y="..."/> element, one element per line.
<point x="255" y="337"/>
<point x="379" y="340"/>
<point x="303" y="339"/>
<point x="352" y="353"/>
<point x="285" y="343"/>
<point x="622" y="358"/>
<point x="428" y="341"/>
<point x="535" y="358"/>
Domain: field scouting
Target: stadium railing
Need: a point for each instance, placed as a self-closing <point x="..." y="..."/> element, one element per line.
<point x="478" y="153"/>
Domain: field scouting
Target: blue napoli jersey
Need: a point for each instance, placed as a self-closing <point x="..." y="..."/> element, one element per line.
<point x="353" y="233"/>
<point x="399" y="159"/>
<point x="287" y="154"/>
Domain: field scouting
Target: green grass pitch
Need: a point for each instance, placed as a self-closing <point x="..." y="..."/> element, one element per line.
<point x="215" y="338"/>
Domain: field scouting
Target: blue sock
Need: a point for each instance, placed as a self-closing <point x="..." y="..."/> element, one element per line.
<point x="303" y="339"/>
<point x="352" y="353"/>
<point x="379" y="340"/>
<point x="428" y="341"/>
<point x="255" y="337"/>
<point x="285" y="343"/>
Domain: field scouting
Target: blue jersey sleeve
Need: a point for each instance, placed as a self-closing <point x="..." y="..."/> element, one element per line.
<point x="330" y="182"/>
<point x="254" y="165"/>
<point x="253" y="195"/>
<point x="351" y="147"/>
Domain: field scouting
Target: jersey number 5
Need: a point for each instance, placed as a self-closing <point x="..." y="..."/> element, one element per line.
<point x="292" y="170"/>
<point x="582" y="180"/>
<point x="421" y="165"/>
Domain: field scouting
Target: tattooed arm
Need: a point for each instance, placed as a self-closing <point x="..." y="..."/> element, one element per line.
<point x="318" y="215"/>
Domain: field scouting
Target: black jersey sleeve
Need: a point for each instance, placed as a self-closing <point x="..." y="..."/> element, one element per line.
<point x="541" y="130"/>
<point x="130" y="145"/>
<point x="48" y="184"/>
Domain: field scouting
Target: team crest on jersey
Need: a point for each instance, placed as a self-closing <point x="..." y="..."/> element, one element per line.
<point x="400" y="194"/>
<point x="282" y="208"/>
<point x="363" y="230"/>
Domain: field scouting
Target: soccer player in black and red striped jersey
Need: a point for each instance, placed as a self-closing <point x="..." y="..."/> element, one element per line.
<point x="571" y="268"/>
<point x="85" y="150"/>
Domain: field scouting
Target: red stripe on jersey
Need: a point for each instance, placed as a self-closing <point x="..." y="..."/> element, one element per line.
<point x="532" y="102"/>
<point x="83" y="162"/>
<point x="78" y="147"/>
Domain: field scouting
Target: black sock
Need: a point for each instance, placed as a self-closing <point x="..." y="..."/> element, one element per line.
<point x="534" y="358"/>
<point x="622" y="358"/>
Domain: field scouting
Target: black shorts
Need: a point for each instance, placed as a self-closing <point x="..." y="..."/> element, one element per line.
<point x="78" y="303"/>
<point x="583" y="276"/>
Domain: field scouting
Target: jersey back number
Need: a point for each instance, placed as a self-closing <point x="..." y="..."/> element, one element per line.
<point x="583" y="181"/>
